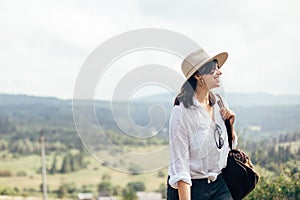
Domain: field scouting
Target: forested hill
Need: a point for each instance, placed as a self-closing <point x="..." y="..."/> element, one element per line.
<point x="255" y="112"/>
<point x="241" y="99"/>
<point x="268" y="128"/>
<point x="12" y="100"/>
<point x="260" y="99"/>
<point x="235" y="99"/>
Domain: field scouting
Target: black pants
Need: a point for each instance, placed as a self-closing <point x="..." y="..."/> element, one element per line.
<point x="202" y="190"/>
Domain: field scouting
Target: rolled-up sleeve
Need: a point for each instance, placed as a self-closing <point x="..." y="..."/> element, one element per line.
<point x="179" y="169"/>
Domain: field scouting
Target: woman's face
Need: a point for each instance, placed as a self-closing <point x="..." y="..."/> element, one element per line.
<point x="212" y="80"/>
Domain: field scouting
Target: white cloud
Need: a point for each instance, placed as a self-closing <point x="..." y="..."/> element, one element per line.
<point x="44" y="43"/>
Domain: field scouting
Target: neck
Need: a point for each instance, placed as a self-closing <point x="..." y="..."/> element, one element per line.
<point x="202" y="96"/>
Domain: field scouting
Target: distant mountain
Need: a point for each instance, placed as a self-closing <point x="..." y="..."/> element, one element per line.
<point x="238" y="99"/>
<point x="257" y="112"/>
<point x="163" y="98"/>
<point x="234" y="99"/>
<point x="8" y="99"/>
<point x="261" y="99"/>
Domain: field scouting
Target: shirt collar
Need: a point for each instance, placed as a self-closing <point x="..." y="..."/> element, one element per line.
<point x="196" y="103"/>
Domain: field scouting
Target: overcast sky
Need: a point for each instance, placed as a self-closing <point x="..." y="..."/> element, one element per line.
<point x="43" y="44"/>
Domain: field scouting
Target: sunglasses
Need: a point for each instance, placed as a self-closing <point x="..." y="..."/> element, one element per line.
<point x="209" y="68"/>
<point x="218" y="139"/>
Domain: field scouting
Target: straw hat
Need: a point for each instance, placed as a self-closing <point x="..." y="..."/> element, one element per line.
<point x="198" y="59"/>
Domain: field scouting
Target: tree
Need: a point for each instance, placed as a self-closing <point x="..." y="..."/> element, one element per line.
<point x="129" y="194"/>
<point x="72" y="163"/>
<point x="66" y="165"/>
<point x="106" y="177"/>
<point x="136" y="186"/>
<point x="161" y="174"/>
<point x="62" y="191"/>
<point x="53" y="168"/>
<point x="279" y="187"/>
<point x="3" y="145"/>
<point x="79" y="159"/>
<point x="65" y="189"/>
<point x="162" y="189"/>
<point x="105" y="189"/>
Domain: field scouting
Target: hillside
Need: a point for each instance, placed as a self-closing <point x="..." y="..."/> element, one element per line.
<point x="269" y="133"/>
<point x="23" y="117"/>
<point x="255" y="112"/>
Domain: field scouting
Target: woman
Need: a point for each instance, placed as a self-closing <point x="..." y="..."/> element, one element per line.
<point x="198" y="137"/>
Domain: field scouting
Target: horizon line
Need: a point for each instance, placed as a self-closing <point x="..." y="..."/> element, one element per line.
<point x="141" y="97"/>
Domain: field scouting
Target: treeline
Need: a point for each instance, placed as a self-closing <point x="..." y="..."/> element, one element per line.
<point x="272" y="156"/>
<point x="71" y="163"/>
<point x="25" y="146"/>
<point x="280" y="156"/>
<point x="6" y="125"/>
<point x="125" y="140"/>
<point x="271" y="118"/>
<point x="24" y="140"/>
<point x="284" y="186"/>
<point x="270" y="141"/>
<point x="279" y="149"/>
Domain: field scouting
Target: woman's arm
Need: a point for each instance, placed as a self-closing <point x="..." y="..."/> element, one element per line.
<point x="184" y="190"/>
<point x="179" y="169"/>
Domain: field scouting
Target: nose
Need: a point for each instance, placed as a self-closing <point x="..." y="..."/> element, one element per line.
<point x="219" y="71"/>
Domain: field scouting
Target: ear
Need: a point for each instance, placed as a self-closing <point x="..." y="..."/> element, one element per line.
<point x="197" y="77"/>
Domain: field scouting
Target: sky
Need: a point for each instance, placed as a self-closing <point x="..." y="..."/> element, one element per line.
<point x="43" y="44"/>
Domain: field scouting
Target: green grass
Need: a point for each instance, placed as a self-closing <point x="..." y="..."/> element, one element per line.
<point x="92" y="175"/>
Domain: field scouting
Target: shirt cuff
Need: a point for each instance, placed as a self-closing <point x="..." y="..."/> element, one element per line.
<point x="179" y="177"/>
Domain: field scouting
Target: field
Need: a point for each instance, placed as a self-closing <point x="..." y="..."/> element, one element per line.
<point x="91" y="176"/>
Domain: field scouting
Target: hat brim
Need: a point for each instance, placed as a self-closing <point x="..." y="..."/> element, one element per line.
<point x="221" y="58"/>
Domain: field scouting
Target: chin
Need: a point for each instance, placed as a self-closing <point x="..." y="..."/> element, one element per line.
<point x="217" y="85"/>
<point x="214" y="86"/>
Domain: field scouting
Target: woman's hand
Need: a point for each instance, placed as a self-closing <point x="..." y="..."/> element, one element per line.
<point x="229" y="114"/>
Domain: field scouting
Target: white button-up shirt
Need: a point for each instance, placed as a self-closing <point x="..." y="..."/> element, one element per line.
<point x="193" y="150"/>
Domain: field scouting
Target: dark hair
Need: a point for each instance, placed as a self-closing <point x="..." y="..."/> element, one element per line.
<point x="188" y="88"/>
<point x="208" y="68"/>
